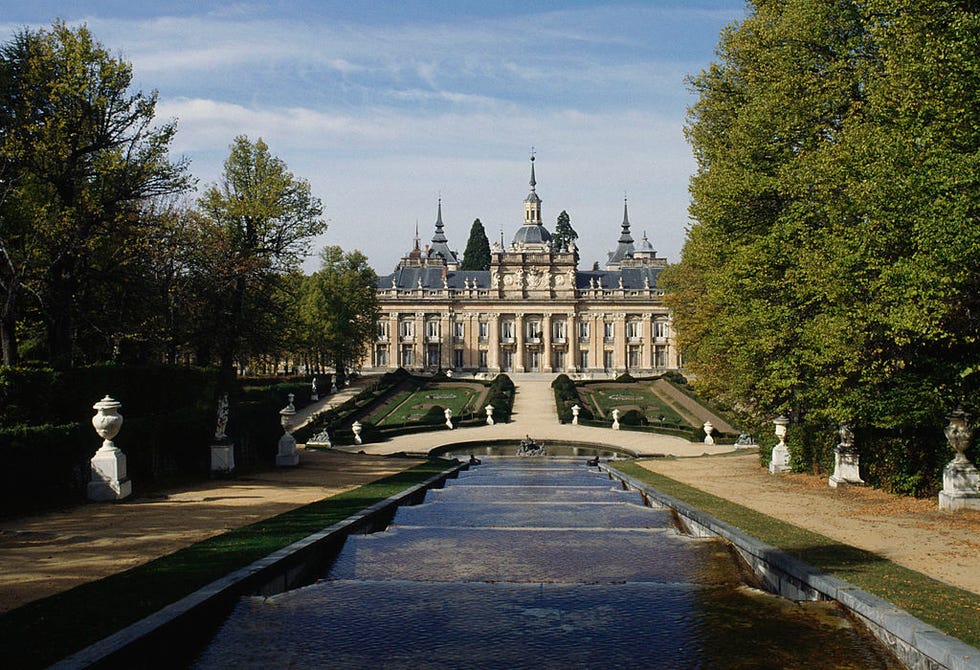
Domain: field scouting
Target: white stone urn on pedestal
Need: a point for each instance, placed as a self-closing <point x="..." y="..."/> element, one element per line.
<point x="575" y="410"/>
<point x="708" y="429"/>
<point x="779" y="462"/>
<point x="109" y="480"/>
<point x="357" y="427"/>
<point x="449" y="417"/>
<point x="846" y="460"/>
<point x="961" y="480"/>
<point x="489" y="410"/>
<point x="615" y="414"/>
<point x="287" y="456"/>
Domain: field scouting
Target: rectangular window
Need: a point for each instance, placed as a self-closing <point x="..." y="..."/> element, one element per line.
<point x="558" y="329"/>
<point x="507" y="331"/>
<point x="432" y="355"/>
<point x="533" y="331"/>
<point x="634" y="357"/>
<point x="609" y="330"/>
<point x="660" y="329"/>
<point x="634" y="329"/>
<point x="458" y="359"/>
<point x="458" y="330"/>
<point x="484" y="330"/>
<point x="408" y="356"/>
<point x="558" y="360"/>
<point x="382" y="330"/>
<point x="506" y="360"/>
<point x="660" y="357"/>
<point x="583" y="331"/>
<point x="406" y="328"/>
<point x="381" y="356"/>
<point x="607" y="360"/>
<point x="432" y="329"/>
<point x="584" y="359"/>
<point x="483" y="360"/>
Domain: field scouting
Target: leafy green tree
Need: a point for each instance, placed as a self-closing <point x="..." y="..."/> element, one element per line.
<point x="339" y="308"/>
<point x="259" y="221"/>
<point x="564" y="234"/>
<point x="476" y="256"/>
<point x="80" y="156"/>
<point x="827" y="274"/>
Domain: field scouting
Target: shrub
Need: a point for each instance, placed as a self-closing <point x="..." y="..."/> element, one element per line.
<point x="675" y="377"/>
<point x="434" y="415"/>
<point x="626" y="378"/>
<point x="632" y="417"/>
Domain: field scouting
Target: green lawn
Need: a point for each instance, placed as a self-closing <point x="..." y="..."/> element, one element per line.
<point x="44" y="631"/>
<point x="952" y="610"/>
<point x="409" y="407"/>
<point x="604" y="398"/>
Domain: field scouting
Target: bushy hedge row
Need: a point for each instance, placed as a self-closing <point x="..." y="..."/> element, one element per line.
<point x="501" y="396"/>
<point x="566" y="395"/>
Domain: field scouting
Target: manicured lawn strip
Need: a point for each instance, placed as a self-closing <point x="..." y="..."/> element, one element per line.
<point x="44" y="631"/>
<point x="952" y="610"/>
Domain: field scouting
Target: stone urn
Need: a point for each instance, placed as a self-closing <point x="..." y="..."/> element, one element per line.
<point x="314" y="394"/>
<point x="615" y="425"/>
<point x="961" y="479"/>
<point x="357" y="427"/>
<point x="489" y="410"/>
<point x="575" y="410"/>
<point x="779" y="462"/>
<point x="109" y="479"/>
<point x="708" y="429"/>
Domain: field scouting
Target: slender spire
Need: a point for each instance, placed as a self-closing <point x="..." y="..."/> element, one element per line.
<point x="625" y="237"/>
<point x="533" y="182"/>
<point x="440" y="235"/>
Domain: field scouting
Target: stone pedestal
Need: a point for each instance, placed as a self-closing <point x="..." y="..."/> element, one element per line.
<point x="109" y="479"/>
<point x="779" y="461"/>
<point x="961" y="487"/>
<point x="222" y="458"/>
<point x="288" y="456"/>
<point x="846" y="470"/>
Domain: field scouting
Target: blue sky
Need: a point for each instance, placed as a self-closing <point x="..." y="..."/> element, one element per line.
<point x="384" y="106"/>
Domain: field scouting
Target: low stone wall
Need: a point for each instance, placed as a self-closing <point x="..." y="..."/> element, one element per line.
<point x="172" y="636"/>
<point x="916" y="644"/>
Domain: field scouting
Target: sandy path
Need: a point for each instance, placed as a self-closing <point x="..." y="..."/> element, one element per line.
<point x="910" y="532"/>
<point x="46" y="554"/>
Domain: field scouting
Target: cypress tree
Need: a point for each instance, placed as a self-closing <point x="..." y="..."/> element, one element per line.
<point x="477" y="253"/>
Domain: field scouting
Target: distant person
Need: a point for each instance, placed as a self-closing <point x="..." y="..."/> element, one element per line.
<point x="474" y="460"/>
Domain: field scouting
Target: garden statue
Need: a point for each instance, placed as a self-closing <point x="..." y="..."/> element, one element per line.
<point x="109" y="480"/>
<point x="615" y="414"/>
<point x="846" y="460"/>
<point x="314" y="395"/>
<point x="575" y="410"/>
<point x="287" y="456"/>
<point x="449" y="417"/>
<point x="779" y="461"/>
<point x="222" y="449"/>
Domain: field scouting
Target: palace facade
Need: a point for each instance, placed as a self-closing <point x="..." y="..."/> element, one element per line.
<point x="532" y="311"/>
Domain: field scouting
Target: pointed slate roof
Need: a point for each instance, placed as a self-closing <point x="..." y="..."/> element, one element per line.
<point x="625" y="248"/>
<point x="440" y="244"/>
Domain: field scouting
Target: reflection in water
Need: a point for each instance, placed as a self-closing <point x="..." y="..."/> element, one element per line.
<point x="540" y="564"/>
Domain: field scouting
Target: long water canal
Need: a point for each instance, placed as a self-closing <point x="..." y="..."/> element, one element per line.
<point x="534" y="563"/>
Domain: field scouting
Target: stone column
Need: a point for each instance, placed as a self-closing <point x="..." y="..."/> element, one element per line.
<point x="394" y="344"/>
<point x="647" y="337"/>
<point x="493" y="356"/>
<point x="572" y="339"/>
<point x="447" y="343"/>
<point x="546" y="335"/>
<point x="596" y="338"/>
<point x="619" y="342"/>
<point x="519" y="343"/>
<point x="419" y="344"/>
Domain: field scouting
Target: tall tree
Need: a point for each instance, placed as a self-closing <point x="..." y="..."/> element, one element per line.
<point x="339" y="307"/>
<point x="565" y="236"/>
<point x="83" y="157"/>
<point x="261" y="221"/>
<point x="476" y="256"/>
<point x="827" y="271"/>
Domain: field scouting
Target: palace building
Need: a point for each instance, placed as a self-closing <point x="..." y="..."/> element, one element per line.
<point x="532" y="311"/>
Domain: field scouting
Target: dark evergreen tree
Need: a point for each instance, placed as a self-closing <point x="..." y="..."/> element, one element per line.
<point x="564" y="233"/>
<point x="477" y="253"/>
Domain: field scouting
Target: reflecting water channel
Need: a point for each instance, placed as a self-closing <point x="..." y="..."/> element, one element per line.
<point x="541" y="563"/>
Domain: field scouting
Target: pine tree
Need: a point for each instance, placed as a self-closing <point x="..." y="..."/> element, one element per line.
<point x="477" y="253"/>
<point x="564" y="235"/>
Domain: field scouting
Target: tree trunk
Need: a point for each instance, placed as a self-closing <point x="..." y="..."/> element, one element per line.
<point x="8" y="333"/>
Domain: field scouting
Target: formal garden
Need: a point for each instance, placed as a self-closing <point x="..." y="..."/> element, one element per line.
<point x="642" y="404"/>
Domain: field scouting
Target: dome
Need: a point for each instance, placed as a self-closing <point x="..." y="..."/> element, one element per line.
<point x="532" y="234"/>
